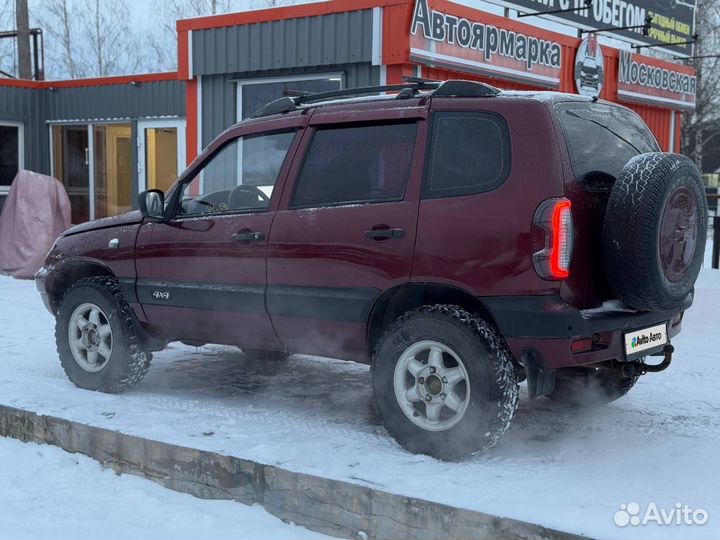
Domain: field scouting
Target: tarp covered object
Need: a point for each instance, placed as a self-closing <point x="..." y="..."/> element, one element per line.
<point x="35" y="213"/>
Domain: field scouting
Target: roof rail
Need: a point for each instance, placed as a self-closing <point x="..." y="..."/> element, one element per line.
<point x="282" y="105"/>
<point x="366" y="90"/>
<point x="410" y="88"/>
<point x="466" y="89"/>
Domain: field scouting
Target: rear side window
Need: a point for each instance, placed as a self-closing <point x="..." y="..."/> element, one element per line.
<point x="602" y="138"/>
<point x="365" y="163"/>
<point x="469" y="153"/>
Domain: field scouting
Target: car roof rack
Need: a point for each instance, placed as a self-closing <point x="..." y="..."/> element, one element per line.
<point x="465" y="89"/>
<point x="410" y="88"/>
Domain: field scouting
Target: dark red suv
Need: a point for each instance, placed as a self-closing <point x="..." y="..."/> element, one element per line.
<point x="458" y="238"/>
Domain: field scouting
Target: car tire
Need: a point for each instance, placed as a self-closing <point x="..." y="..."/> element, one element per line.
<point x="96" y="338"/>
<point x="590" y="386"/>
<point x="654" y="231"/>
<point x="266" y="356"/>
<point x="445" y="353"/>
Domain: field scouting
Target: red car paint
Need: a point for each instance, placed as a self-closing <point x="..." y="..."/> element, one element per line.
<point x="317" y="284"/>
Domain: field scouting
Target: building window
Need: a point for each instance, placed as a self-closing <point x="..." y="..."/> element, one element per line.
<point x="356" y="164"/>
<point x="11" y="158"/>
<point x="469" y="153"/>
<point x="253" y="94"/>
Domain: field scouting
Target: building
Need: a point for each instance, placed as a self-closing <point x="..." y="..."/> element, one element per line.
<point x="107" y="139"/>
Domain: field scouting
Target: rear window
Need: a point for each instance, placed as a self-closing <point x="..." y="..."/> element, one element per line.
<point x="469" y="153"/>
<point x="602" y="138"/>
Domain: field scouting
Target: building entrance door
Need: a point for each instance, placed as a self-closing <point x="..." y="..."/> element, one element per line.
<point x="94" y="163"/>
<point x="161" y="153"/>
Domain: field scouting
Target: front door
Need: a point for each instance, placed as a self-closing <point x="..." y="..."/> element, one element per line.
<point x="202" y="275"/>
<point x="346" y="230"/>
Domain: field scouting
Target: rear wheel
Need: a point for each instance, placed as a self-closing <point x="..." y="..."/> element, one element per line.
<point x="444" y="382"/>
<point x="96" y="339"/>
<point x="591" y="386"/>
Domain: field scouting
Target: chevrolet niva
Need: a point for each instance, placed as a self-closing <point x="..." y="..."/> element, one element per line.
<point x="458" y="238"/>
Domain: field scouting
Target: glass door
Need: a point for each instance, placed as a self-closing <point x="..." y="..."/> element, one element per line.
<point x="161" y="153"/>
<point x="112" y="169"/>
<point x="71" y="165"/>
<point x="94" y="163"/>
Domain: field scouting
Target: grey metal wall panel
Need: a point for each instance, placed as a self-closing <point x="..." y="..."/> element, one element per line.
<point x="219" y="107"/>
<point x="161" y="98"/>
<point x="338" y="38"/>
<point x="29" y="107"/>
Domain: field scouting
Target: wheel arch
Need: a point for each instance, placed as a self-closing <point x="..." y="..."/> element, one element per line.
<point x="392" y="303"/>
<point x="71" y="272"/>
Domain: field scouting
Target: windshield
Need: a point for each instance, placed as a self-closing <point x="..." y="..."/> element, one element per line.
<point x="603" y="138"/>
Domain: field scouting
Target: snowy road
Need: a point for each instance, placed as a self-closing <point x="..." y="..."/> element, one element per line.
<point x="563" y="468"/>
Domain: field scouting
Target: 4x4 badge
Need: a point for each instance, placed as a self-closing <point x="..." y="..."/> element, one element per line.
<point x="161" y="295"/>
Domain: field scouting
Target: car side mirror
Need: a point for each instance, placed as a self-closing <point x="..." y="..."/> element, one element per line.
<point x="152" y="203"/>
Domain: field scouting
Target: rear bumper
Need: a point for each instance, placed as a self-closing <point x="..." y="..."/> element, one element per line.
<point x="547" y="325"/>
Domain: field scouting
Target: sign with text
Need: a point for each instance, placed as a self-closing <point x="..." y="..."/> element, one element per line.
<point x="646" y="80"/>
<point x="446" y="40"/>
<point x="673" y="21"/>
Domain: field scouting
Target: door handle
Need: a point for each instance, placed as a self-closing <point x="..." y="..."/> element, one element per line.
<point x="384" y="234"/>
<point x="248" y="237"/>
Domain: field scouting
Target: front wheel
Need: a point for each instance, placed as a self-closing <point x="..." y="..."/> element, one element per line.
<point x="444" y="382"/>
<point x="96" y="339"/>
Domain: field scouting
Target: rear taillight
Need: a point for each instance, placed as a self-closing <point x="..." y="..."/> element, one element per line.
<point x="554" y="217"/>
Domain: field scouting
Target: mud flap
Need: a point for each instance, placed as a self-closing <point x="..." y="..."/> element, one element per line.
<point x="540" y="380"/>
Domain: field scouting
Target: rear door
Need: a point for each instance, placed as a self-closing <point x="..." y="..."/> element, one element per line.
<point x="202" y="275"/>
<point x="345" y="230"/>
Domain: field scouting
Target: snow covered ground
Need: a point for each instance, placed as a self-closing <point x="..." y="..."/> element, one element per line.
<point x="565" y="468"/>
<point x="46" y="492"/>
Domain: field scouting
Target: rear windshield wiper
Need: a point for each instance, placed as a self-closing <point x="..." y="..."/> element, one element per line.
<point x="623" y="139"/>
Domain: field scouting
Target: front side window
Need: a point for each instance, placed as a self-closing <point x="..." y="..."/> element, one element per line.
<point x="241" y="177"/>
<point x="469" y="153"/>
<point x="9" y="154"/>
<point x="356" y="164"/>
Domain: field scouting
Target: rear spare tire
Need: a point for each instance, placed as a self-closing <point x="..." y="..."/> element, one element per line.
<point x="654" y="232"/>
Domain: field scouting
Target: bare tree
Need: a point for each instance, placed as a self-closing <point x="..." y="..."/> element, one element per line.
<point x="8" y="60"/>
<point x="59" y="20"/>
<point x="88" y="38"/>
<point x="703" y="125"/>
<point x="110" y="41"/>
